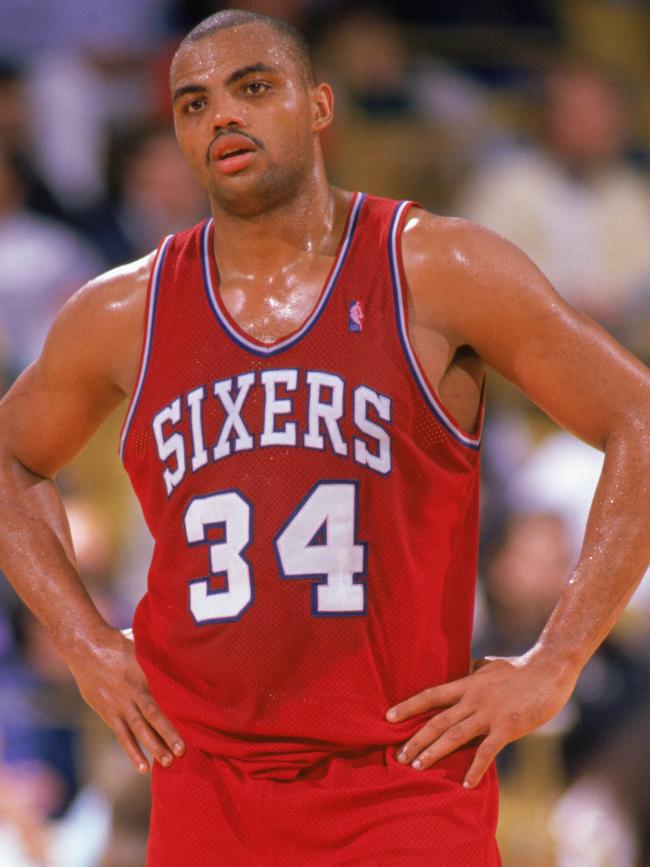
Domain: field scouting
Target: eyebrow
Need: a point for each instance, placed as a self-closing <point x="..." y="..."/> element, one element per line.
<point x="247" y="70"/>
<point x="237" y="75"/>
<point x="188" y="88"/>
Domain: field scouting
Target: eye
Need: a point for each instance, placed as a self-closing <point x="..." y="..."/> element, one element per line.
<point x="194" y="105"/>
<point x="255" y="88"/>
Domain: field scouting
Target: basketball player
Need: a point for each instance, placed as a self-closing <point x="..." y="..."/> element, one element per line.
<point x="305" y="374"/>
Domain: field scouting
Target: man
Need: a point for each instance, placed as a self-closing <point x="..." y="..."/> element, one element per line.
<point x="310" y="474"/>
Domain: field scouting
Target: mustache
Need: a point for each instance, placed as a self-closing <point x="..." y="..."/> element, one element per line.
<point x="229" y="130"/>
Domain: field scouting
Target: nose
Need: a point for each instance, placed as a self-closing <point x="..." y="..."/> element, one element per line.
<point x="225" y="114"/>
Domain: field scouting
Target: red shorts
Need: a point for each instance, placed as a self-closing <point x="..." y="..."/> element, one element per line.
<point x="363" y="810"/>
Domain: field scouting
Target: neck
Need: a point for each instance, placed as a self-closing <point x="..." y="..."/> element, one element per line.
<point x="309" y="222"/>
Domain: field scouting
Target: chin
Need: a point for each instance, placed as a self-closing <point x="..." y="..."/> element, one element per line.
<point x="250" y="196"/>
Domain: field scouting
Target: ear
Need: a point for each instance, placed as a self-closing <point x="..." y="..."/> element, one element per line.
<point x="322" y="107"/>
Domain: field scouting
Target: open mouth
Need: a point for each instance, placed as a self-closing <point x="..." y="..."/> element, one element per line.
<point x="230" y="145"/>
<point x="233" y="160"/>
<point x="234" y="153"/>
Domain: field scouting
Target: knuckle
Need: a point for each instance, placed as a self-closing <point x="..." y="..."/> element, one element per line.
<point x="129" y="748"/>
<point x="502" y="733"/>
<point x="422" y="744"/>
<point x="483" y="756"/>
<point x="488" y="749"/>
<point x="135" y="721"/>
<point x="457" y="734"/>
<point x="464" y="731"/>
<point x="437" y="723"/>
<point x="142" y="689"/>
<point x="432" y="726"/>
<point x="123" y="740"/>
<point x="149" y="708"/>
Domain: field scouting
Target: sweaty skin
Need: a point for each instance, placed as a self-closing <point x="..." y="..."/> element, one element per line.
<point x="474" y="299"/>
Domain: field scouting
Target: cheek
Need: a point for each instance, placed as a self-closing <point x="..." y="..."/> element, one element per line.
<point x="188" y="127"/>
<point x="194" y="160"/>
<point x="191" y="143"/>
<point x="292" y="129"/>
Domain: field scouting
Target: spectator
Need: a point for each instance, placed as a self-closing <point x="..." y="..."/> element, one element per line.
<point x="41" y="264"/>
<point x="86" y="67"/>
<point x="152" y="193"/>
<point x="39" y="720"/>
<point x="15" y="134"/>
<point x="54" y="810"/>
<point x="524" y="572"/>
<point x="571" y="200"/>
<point x="391" y="138"/>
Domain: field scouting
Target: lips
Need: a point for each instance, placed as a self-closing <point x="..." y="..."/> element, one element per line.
<point x="232" y="152"/>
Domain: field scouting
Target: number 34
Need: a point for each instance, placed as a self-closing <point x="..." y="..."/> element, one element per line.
<point x="317" y="542"/>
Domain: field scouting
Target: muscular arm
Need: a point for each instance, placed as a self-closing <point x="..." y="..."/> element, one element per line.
<point x="491" y="297"/>
<point x="86" y="368"/>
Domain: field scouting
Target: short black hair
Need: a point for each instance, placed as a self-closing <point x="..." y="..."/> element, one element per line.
<point x="236" y="17"/>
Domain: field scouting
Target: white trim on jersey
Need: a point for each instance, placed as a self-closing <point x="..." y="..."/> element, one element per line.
<point x="146" y="351"/>
<point x="236" y="334"/>
<point x="428" y="392"/>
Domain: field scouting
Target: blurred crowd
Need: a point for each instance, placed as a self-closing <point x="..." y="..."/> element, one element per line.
<point x="532" y="119"/>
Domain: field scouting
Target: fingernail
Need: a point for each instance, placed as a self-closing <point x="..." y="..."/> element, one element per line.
<point x="178" y="748"/>
<point x="401" y="756"/>
<point x="391" y="715"/>
<point x="467" y="784"/>
<point x="166" y="761"/>
<point x="417" y="764"/>
<point x="143" y="768"/>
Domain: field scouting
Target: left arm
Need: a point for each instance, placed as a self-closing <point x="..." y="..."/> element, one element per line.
<point x="501" y="305"/>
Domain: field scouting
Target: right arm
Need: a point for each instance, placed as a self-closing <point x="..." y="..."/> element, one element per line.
<point x="87" y="368"/>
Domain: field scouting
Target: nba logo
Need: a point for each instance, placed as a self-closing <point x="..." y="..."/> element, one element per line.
<point x="355" y="316"/>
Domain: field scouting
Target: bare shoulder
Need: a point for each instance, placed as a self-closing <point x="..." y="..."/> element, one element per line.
<point x="479" y="290"/>
<point x="87" y="368"/>
<point x="423" y="228"/>
<point x="121" y="284"/>
<point x="102" y="325"/>
<point x="458" y="271"/>
<point x="456" y="247"/>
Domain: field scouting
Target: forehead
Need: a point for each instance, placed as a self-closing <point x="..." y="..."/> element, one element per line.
<point x="224" y="51"/>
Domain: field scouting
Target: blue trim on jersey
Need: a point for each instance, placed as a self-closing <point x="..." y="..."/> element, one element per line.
<point x="433" y="401"/>
<point x="314" y="316"/>
<point x="146" y="352"/>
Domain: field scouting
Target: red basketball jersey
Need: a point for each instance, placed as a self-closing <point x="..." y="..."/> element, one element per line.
<point x="314" y="508"/>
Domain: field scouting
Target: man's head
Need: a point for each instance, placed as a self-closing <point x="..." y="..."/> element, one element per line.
<point x="294" y="41"/>
<point x="246" y="110"/>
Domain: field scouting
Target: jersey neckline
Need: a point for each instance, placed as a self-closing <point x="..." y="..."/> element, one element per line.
<point x="238" y="335"/>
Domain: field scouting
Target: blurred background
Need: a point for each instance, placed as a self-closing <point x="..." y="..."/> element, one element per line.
<point x="531" y="118"/>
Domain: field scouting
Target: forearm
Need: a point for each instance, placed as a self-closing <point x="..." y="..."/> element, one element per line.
<point x="613" y="559"/>
<point x="36" y="555"/>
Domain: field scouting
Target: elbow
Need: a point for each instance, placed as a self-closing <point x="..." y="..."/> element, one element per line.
<point x="632" y="432"/>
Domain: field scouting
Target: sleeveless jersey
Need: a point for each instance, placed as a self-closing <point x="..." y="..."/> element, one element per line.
<point x="314" y="508"/>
